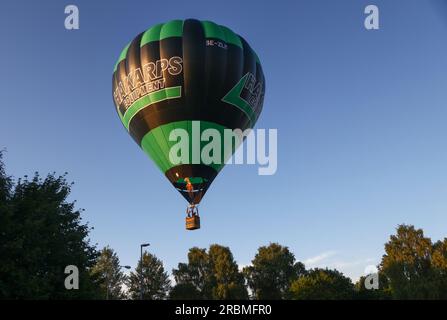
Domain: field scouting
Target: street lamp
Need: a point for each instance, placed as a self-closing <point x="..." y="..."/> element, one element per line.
<point x="141" y="268"/>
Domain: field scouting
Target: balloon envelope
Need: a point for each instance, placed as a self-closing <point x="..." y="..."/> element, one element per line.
<point x="187" y="75"/>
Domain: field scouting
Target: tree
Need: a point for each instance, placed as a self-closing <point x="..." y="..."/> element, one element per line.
<point x="7" y="243"/>
<point x="209" y="275"/>
<point x="272" y="271"/>
<point x="229" y="282"/>
<point x="40" y="234"/>
<point x="195" y="274"/>
<point x="156" y="283"/>
<point x="413" y="266"/>
<point x="382" y="293"/>
<point x="5" y="184"/>
<point x="185" y="291"/>
<point x="7" y="264"/>
<point x="439" y="262"/>
<point x="108" y="272"/>
<point x="322" y="284"/>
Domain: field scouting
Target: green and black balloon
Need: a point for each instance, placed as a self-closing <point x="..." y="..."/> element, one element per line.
<point x="184" y="71"/>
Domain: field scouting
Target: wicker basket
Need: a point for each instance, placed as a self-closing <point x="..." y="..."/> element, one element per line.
<point x="192" y="223"/>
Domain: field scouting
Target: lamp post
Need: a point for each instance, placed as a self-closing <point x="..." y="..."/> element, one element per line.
<point x="141" y="268"/>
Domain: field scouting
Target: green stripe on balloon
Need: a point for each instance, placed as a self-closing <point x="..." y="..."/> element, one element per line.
<point x="172" y="28"/>
<point x="151" y="35"/>
<point x="193" y="180"/>
<point x="231" y="37"/>
<point x="156" y="143"/>
<point x="121" y="57"/>
<point x="162" y="31"/>
<point x="215" y="31"/>
<point x="149" y="99"/>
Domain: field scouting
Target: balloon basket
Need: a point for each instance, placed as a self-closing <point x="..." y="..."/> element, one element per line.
<point x="193" y="222"/>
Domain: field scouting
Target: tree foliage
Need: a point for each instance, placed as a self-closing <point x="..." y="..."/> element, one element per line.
<point x="155" y="281"/>
<point x="185" y="291"/>
<point x="228" y="280"/>
<point x="382" y="293"/>
<point x="322" y="284"/>
<point x="272" y="271"/>
<point x="209" y="275"/>
<point x="108" y="273"/>
<point x="415" y="267"/>
<point x="40" y="234"/>
<point x="196" y="273"/>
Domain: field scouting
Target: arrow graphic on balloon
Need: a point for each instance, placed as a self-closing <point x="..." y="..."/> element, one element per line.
<point x="234" y="98"/>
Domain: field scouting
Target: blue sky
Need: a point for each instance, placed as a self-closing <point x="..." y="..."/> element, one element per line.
<point x="360" y="116"/>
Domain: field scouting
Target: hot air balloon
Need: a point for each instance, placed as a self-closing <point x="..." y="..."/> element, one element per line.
<point x="181" y="72"/>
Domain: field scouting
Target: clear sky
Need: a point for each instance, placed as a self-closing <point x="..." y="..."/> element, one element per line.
<point x="361" y="118"/>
